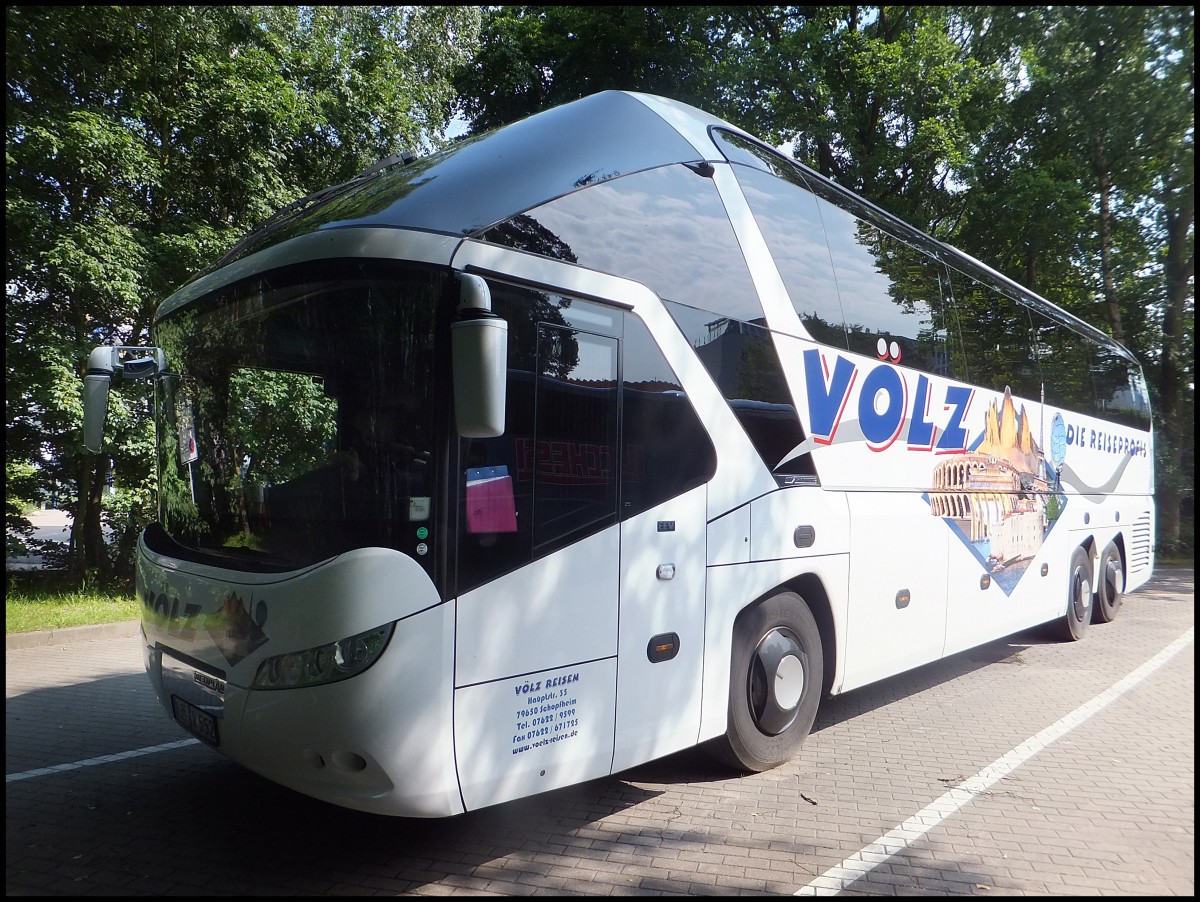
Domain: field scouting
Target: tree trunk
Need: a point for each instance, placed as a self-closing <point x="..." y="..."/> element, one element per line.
<point x="1112" y="306"/>
<point x="95" y="554"/>
<point x="75" y="566"/>
<point x="1172" y="421"/>
<point x="127" y="544"/>
<point x="87" y="553"/>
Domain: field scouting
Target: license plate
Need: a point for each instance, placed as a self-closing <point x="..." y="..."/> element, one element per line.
<point x="195" y="720"/>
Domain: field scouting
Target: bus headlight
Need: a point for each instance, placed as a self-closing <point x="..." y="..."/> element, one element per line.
<point x="325" y="663"/>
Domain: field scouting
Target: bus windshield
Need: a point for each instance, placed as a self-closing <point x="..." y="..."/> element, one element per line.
<point x="297" y="420"/>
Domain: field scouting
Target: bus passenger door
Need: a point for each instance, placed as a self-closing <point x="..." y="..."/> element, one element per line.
<point x="538" y="550"/>
<point x="661" y="630"/>
<point x="667" y="462"/>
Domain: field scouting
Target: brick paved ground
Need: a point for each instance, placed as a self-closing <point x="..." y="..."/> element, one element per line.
<point x="1106" y="809"/>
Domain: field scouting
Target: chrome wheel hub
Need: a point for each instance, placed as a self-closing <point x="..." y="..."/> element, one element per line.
<point x="777" y="680"/>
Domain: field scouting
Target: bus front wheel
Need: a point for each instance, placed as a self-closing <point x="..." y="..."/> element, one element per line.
<point x="775" y="684"/>
<point x="1111" y="590"/>
<point x="1079" y="596"/>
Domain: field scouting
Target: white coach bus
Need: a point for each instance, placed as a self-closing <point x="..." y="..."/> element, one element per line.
<point x="599" y="436"/>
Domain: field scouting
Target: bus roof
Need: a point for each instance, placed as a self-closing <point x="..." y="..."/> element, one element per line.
<point x="486" y="179"/>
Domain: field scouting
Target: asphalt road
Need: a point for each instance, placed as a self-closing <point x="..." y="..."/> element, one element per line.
<point x="1025" y="767"/>
<point x="48" y="526"/>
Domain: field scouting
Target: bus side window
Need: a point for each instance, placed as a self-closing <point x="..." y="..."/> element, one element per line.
<point x="1120" y="389"/>
<point x="791" y="222"/>
<point x="919" y="317"/>
<point x="558" y="454"/>
<point x="573" y="461"/>
<point x="645" y="226"/>
<point x="666" y="450"/>
<point x="952" y="323"/>
<point x="998" y="344"/>
<point x="743" y="362"/>
<point x="890" y="292"/>
<point x="1065" y="365"/>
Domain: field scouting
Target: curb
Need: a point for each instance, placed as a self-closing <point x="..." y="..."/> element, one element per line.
<point x="70" y="635"/>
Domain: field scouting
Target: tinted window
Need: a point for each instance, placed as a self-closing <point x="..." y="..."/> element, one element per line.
<point x="666" y="449"/>
<point x="889" y="293"/>
<point x="993" y="339"/>
<point x="742" y="360"/>
<point x="1083" y="375"/>
<point x="571" y="456"/>
<point x="552" y="476"/>
<point x="791" y="225"/>
<point x="1120" y="389"/>
<point x="665" y="228"/>
<point x="738" y="149"/>
<point x="921" y="317"/>
<point x="1065" y="365"/>
<point x="301" y="417"/>
<point x="996" y="337"/>
<point x="597" y="426"/>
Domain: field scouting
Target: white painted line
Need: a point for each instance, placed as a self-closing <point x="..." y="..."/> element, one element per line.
<point x="103" y="759"/>
<point x="895" y="841"/>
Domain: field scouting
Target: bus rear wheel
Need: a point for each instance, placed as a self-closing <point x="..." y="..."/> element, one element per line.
<point x="1079" y="596"/>
<point x="775" y="684"/>
<point x="1111" y="590"/>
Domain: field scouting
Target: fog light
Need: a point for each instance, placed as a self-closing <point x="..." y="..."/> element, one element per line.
<point x="349" y="761"/>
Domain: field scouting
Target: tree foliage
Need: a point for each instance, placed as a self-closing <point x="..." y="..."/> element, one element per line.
<point x="142" y="142"/>
<point x="1083" y="189"/>
<point x="1055" y="144"/>
<point x="535" y="57"/>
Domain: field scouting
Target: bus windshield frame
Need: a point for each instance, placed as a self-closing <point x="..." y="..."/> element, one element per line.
<point x="301" y="416"/>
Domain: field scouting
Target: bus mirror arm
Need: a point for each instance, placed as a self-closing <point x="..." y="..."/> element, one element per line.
<point x="105" y="364"/>
<point x="479" y="351"/>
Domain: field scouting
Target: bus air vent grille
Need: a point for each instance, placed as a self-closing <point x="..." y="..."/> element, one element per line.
<point x="1139" y="545"/>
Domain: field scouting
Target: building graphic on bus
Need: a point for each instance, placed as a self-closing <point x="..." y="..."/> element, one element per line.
<point x="998" y="495"/>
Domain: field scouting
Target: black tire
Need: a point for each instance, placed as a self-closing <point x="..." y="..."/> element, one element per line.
<point x="775" y="684"/>
<point x="1111" y="590"/>
<point x="1079" y="597"/>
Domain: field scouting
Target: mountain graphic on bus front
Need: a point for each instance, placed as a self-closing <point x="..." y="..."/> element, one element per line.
<point x="234" y="632"/>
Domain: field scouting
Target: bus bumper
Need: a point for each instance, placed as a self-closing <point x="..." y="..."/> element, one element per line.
<point x="380" y="742"/>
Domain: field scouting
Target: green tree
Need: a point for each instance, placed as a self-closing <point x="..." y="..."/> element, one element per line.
<point x="534" y="57"/>
<point x="1084" y="189"/>
<point x="879" y="99"/>
<point x="142" y="142"/>
<point x="1171" y="139"/>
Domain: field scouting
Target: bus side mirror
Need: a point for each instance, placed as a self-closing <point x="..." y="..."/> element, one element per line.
<point x="105" y="363"/>
<point x="102" y="362"/>
<point x="479" y="352"/>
